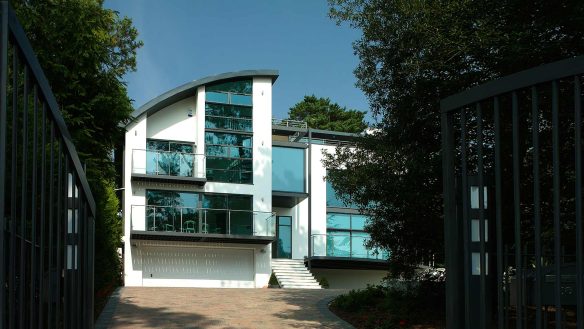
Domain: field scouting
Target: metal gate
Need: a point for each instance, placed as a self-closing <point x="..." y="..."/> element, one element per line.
<point x="46" y="207"/>
<point x="512" y="170"/>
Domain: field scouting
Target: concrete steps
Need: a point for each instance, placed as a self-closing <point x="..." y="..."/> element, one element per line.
<point x="292" y="274"/>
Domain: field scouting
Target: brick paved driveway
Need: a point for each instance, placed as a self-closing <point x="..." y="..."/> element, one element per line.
<point x="133" y="307"/>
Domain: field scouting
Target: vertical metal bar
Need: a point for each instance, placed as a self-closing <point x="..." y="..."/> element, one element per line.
<point x="465" y="216"/>
<point x="536" y="205"/>
<point x="13" y="203"/>
<point x="228" y="221"/>
<point x="71" y="241"/>
<point x="24" y="205"/>
<point x="451" y="226"/>
<point x="517" y="211"/>
<point x="498" y="216"/>
<point x="556" y="198"/>
<point x="578" y="197"/>
<point x="3" y="151"/>
<point x="34" y="218"/>
<point x="43" y="218"/>
<point x="58" y="236"/>
<point x="483" y="266"/>
<point x="51" y="223"/>
<point x="91" y="266"/>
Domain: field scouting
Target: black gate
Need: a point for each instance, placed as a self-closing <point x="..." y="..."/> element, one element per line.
<point x="512" y="169"/>
<point x="46" y="207"/>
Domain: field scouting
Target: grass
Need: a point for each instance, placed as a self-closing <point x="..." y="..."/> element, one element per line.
<point x="396" y="304"/>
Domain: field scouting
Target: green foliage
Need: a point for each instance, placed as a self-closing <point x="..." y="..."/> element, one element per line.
<point x="273" y="281"/>
<point x="108" y="264"/>
<point x="412" y="54"/>
<point x="323" y="282"/>
<point x="85" y="50"/>
<point x="321" y="113"/>
<point x="396" y="304"/>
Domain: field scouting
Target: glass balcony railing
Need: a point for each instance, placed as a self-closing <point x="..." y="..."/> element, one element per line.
<point x="229" y="123"/>
<point x="150" y="162"/>
<point x="345" y="245"/>
<point x="289" y="123"/>
<point x="202" y="220"/>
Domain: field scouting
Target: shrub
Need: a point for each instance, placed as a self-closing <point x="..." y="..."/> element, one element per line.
<point x="323" y="282"/>
<point x="273" y="281"/>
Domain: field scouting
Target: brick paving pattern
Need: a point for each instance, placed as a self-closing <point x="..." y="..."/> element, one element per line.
<point x="141" y="307"/>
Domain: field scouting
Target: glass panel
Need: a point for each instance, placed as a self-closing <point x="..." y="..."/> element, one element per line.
<point x="215" y="138"/>
<point x="474" y="197"/>
<point x="476" y="263"/>
<point x="358" y="240"/>
<point x="239" y="86"/>
<point x="224" y="110"/>
<point x="475" y="233"/>
<point x="358" y="222"/>
<point x="214" y="201"/>
<point x="240" y="202"/>
<point x="155" y="145"/>
<point x="338" y="245"/>
<point x="181" y="147"/>
<point x="334" y="220"/>
<point x="171" y="198"/>
<point x="332" y="199"/>
<point x="215" y="122"/>
<point x="241" y="222"/>
<point x="216" y="97"/>
<point x="285" y="220"/>
<point x="241" y="99"/>
<point x="215" y="221"/>
<point x="190" y="218"/>
<point x="288" y="172"/>
<point x="284" y="241"/>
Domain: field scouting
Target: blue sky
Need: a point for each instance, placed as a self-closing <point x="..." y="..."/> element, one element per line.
<point x="185" y="40"/>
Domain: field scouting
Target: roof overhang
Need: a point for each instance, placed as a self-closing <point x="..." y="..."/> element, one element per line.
<point x="189" y="89"/>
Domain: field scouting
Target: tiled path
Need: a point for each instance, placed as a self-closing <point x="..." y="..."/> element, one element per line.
<point x="132" y="307"/>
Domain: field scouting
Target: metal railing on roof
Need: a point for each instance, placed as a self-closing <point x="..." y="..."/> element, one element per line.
<point x="289" y="123"/>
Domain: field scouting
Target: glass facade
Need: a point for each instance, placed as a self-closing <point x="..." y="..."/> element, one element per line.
<point x="333" y="199"/>
<point x="288" y="169"/>
<point x="229" y="155"/>
<point x="169" y="158"/>
<point x="346" y="238"/>
<point x="199" y="213"/>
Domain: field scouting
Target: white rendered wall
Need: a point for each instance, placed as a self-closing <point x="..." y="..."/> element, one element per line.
<point x="318" y="195"/>
<point x="349" y="279"/>
<point x="135" y="138"/>
<point x="173" y="123"/>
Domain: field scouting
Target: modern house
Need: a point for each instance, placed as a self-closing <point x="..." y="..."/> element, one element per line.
<point x="218" y="194"/>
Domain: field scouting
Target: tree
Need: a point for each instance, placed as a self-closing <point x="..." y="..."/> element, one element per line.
<point x="412" y="54"/>
<point x="321" y="113"/>
<point x="84" y="50"/>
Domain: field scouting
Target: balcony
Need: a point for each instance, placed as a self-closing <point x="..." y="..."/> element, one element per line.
<point x="338" y="250"/>
<point x="168" y="166"/>
<point x="202" y="224"/>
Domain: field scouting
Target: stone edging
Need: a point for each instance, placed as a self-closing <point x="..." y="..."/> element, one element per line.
<point x="105" y="318"/>
<point x="322" y="306"/>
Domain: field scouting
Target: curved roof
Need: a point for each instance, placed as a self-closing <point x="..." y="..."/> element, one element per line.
<point x="188" y="89"/>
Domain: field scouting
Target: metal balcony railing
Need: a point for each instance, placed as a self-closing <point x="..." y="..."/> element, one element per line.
<point x="167" y="163"/>
<point x="289" y="123"/>
<point x="345" y="246"/>
<point x="202" y="220"/>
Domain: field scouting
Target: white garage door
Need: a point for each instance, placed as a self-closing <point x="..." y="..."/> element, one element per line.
<point x="197" y="267"/>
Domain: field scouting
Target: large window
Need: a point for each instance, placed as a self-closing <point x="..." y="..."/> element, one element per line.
<point x="229" y="154"/>
<point x="169" y="158"/>
<point x="228" y="117"/>
<point x="199" y="213"/>
<point x="229" y="157"/>
<point x="288" y="169"/>
<point x="346" y="237"/>
<point x="232" y="92"/>
<point x="333" y="199"/>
